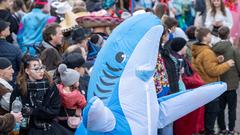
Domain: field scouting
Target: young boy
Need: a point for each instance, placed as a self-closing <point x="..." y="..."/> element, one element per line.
<point x="231" y="77"/>
<point x="206" y="64"/>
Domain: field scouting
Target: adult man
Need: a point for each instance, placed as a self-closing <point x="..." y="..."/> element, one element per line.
<point x="31" y="26"/>
<point x="8" y="50"/>
<point x="6" y="15"/>
<point x="52" y="36"/>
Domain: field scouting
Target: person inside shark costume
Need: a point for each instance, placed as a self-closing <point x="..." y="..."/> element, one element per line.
<point x="121" y="94"/>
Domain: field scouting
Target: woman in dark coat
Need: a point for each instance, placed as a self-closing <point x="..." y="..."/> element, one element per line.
<point x="40" y="99"/>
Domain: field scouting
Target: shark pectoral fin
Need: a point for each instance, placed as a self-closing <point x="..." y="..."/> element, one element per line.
<point x="177" y="105"/>
<point x="97" y="117"/>
<point x="164" y="98"/>
<point x="145" y="72"/>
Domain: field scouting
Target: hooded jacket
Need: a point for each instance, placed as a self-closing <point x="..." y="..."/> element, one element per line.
<point x="205" y="62"/>
<point x="30" y="29"/>
<point x="231" y="77"/>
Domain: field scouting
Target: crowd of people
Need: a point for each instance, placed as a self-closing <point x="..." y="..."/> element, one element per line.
<point x="48" y="49"/>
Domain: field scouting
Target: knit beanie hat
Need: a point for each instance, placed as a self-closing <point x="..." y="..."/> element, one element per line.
<point x="4" y="63"/>
<point x="74" y="60"/>
<point x="177" y="44"/>
<point x="68" y="76"/>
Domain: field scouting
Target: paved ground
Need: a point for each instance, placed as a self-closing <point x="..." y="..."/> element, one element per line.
<point x="238" y="113"/>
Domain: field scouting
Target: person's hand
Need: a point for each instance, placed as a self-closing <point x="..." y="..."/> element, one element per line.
<point x="174" y="11"/>
<point x="220" y="58"/>
<point x="218" y="23"/>
<point x="27" y="110"/>
<point x="182" y="70"/>
<point x="78" y="112"/>
<point x="18" y="116"/>
<point x="231" y="62"/>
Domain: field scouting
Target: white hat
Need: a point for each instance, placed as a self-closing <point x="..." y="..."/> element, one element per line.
<point x="62" y="7"/>
<point x="142" y="11"/>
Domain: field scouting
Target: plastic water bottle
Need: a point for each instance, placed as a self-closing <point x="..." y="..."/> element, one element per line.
<point x="17" y="105"/>
<point x="16" y="108"/>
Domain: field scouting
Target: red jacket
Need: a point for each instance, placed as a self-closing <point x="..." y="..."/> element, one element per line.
<point x="72" y="100"/>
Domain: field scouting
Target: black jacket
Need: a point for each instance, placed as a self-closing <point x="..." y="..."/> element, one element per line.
<point x="171" y="71"/>
<point x="46" y="113"/>
<point x="172" y="68"/>
<point x="13" y="53"/>
<point x="7" y="16"/>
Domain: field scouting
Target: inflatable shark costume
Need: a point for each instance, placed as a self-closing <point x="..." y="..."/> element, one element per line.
<point x="121" y="97"/>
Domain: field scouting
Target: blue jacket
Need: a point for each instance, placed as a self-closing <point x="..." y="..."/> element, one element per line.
<point x="30" y="29"/>
<point x="13" y="53"/>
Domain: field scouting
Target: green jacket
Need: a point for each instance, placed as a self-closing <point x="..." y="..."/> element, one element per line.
<point x="189" y="50"/>
<point x="231" y="77"/>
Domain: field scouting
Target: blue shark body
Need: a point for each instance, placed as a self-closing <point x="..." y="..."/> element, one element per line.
<point x="117" y="74"/>
<point x="114" y="56"/>
<point x="121" y="97"/>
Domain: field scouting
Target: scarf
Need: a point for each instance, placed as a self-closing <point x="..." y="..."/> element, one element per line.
<point x="37" y="91"/>
<point x="6" y="84"/>
<point x="5" y="99"/>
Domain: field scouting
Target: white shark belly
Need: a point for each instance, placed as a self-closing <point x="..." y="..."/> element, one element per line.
<point x="137" y="95"/>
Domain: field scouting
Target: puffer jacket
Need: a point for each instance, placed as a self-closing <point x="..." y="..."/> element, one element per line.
<point x="231" y="77"/>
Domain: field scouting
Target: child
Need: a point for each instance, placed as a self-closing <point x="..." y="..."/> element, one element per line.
<point x="206" y="64"/>
<point x="72" y="99"/>
<point x="225" y="48"/>
<point x="190" y="32"/>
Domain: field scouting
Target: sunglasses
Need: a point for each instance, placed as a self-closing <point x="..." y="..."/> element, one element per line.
<point x="39" y="69"/>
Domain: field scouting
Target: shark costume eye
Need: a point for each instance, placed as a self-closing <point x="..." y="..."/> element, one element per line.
<point x="120" y="57"/>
